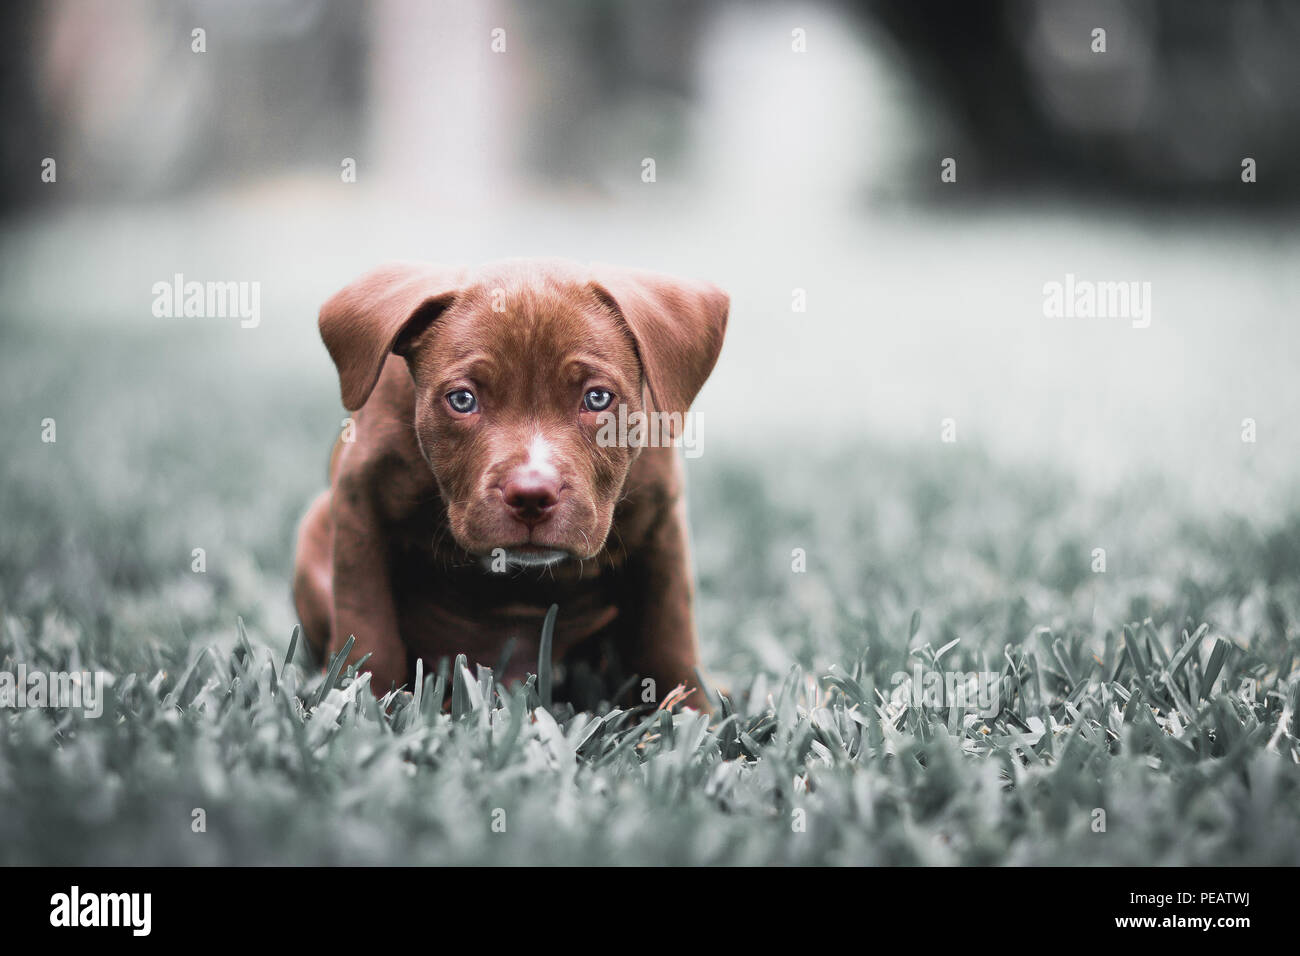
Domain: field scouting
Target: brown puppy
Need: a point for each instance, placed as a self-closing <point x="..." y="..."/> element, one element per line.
<point x="479" y="487"/>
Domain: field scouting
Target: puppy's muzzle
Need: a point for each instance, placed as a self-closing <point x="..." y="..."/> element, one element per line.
<point x="531" y="496"/>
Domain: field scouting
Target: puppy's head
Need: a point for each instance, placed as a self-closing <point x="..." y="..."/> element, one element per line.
<point x="517" y="367"/>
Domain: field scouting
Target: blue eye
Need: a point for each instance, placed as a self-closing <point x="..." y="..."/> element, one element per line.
<point x="462" y="400"/>
<point x="597" y="399"/>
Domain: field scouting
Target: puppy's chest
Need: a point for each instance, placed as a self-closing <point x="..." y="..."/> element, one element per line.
<point x="444" y="611"/>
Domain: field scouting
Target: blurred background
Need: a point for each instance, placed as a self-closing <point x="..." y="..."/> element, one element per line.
<point x="797" y="152"/>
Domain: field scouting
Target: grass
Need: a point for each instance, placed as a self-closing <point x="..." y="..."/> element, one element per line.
<point x="1161" y="692"/>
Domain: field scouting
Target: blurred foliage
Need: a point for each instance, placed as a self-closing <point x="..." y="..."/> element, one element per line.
<point x="1183" y="91"/>
<point x="1012" y="88"/>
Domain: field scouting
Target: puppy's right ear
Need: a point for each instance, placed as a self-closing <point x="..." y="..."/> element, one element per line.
<point x="377" y="314"/>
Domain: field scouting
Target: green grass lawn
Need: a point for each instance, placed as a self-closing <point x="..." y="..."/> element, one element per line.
<point x="1160" y="693"/>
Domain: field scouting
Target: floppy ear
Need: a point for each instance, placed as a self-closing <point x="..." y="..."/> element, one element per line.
<point x="678" y="326"/>
<point x="377" y="314"/>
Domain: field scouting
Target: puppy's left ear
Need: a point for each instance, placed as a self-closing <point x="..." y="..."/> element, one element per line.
<point x="678" y="325"/>
<point x="379" y="313"/>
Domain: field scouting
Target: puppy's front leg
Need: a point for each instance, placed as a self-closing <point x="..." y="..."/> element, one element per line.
<point x="664" y="646"/>
<point x="363" y="596"/>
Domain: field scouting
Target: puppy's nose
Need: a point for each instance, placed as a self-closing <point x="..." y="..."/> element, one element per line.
<point x="531" y="495"/>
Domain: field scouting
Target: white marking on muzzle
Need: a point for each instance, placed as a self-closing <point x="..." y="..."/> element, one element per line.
<point x="539" y="458"/>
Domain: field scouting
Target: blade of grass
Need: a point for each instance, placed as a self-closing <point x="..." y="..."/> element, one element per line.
<point x="544" y="668"/>
<point x="293" y="646"/>
<point x="336" y="666"/>
<point x="1213" y="666"/>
